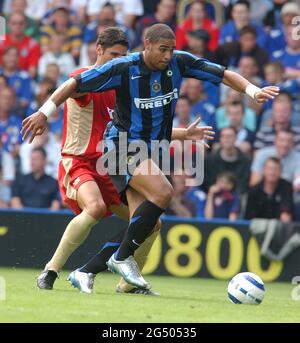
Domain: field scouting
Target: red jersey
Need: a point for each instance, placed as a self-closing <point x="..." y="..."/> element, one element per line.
<point x="29" y="51"/>
<point x="85" y="120"/>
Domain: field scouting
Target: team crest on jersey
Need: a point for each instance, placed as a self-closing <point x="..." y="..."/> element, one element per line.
<point x="156" y="87"/>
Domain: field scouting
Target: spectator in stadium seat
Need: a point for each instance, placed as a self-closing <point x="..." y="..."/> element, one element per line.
<point x="240" y="14"/>
<point x="45" y="88"/>
<point x="280" y="120"/>
<point x="289" y="57"/>
<point x="197" y="19"/>
<point x="232" y="96"/>
<point x="227" y="158"/>
<point x="201" y="106"/>
<point x="197" y="44"/>
<point x="222" y="201"/>
<point x="284" y="150"/>
<point x="50" y="144"/>
<point x="183" y="112"/>
<point x="248" y="68"/>
<point x="32" y="28"/>
<point x="36" y="189"/>
<point x="10" y="124"/>
<point x="285" y="12"/>
<point x="187" y="201"/>
<point x="274" y="17"/>
<point x="56" y="55"/>
<point x="28" y="48"/>
<point x="165" y="14"/>
<point x="274" y="75"/>
<point x="107" y="15"/>
<point x="273" y="196"/>
<point x="19" y="81"/>
<point x="127" y="11"/>
<point x="88" y="55"/>
<point x="52" y="73"/>
<point x="230" y="53"/>
<point x="61" y="23"/>
<point x="259" y="10"/>
<point x="245" y="137"/>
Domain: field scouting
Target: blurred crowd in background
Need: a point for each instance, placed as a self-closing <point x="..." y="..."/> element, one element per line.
<point x="252" y="169"/>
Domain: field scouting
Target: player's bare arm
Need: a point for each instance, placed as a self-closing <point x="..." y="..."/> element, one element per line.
<point x="37" y="122"/>
<point x="240" y="84"/>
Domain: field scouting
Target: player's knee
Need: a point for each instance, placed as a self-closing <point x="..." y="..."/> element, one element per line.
<point x="96" y="209"/>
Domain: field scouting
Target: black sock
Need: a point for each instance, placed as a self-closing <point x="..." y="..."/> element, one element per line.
<point x="97" y="263"/>
<point x="140" y="226"/>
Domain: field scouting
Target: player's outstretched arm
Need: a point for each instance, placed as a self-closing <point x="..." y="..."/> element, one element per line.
<point x="240" y="84"/>
<point x="37" y="122"/>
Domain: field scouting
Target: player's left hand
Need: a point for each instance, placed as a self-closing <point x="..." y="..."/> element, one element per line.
<point x="266" y="93"/>
<point x="204" y="133"/>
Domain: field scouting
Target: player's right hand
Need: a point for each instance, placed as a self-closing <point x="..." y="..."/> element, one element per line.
<point x="35" y="124"/>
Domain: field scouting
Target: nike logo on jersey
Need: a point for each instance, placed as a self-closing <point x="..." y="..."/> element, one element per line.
<point x="133" y="77"/>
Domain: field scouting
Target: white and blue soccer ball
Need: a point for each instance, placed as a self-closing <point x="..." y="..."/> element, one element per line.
<point x="246" y="288"/>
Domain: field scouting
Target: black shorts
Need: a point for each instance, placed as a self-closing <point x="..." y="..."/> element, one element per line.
<point x="121" y="163"/>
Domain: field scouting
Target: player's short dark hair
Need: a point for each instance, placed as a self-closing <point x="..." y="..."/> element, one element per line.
<point x="248" y="29"/>
<point x="41" y="150"/>
<point x="112" y="36"/>
<point x="159" y="31"/>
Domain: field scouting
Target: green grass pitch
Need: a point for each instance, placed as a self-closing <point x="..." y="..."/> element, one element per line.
<point x="181" y="300"/>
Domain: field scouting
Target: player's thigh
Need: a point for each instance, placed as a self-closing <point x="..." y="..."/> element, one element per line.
<point x="149" y="181"/>
<point x="90" y="199"/>
<point x="120" y="210"/>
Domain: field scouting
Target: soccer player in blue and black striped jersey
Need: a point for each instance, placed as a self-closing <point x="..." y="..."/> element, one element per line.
<point x="147" y="87"/>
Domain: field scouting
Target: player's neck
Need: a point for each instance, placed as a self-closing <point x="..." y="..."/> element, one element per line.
<point x="147" y="62"/>
<point x="99" y="62"/>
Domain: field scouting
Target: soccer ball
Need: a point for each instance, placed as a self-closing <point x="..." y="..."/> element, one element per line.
<point x="246" y="288"/>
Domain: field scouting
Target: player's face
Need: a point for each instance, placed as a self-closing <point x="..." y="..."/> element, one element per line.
<point x="159" y="54"/>
<point x="115" y="51"/>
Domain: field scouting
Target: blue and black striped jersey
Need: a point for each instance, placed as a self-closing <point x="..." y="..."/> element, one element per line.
<point x="146" y="99"/>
